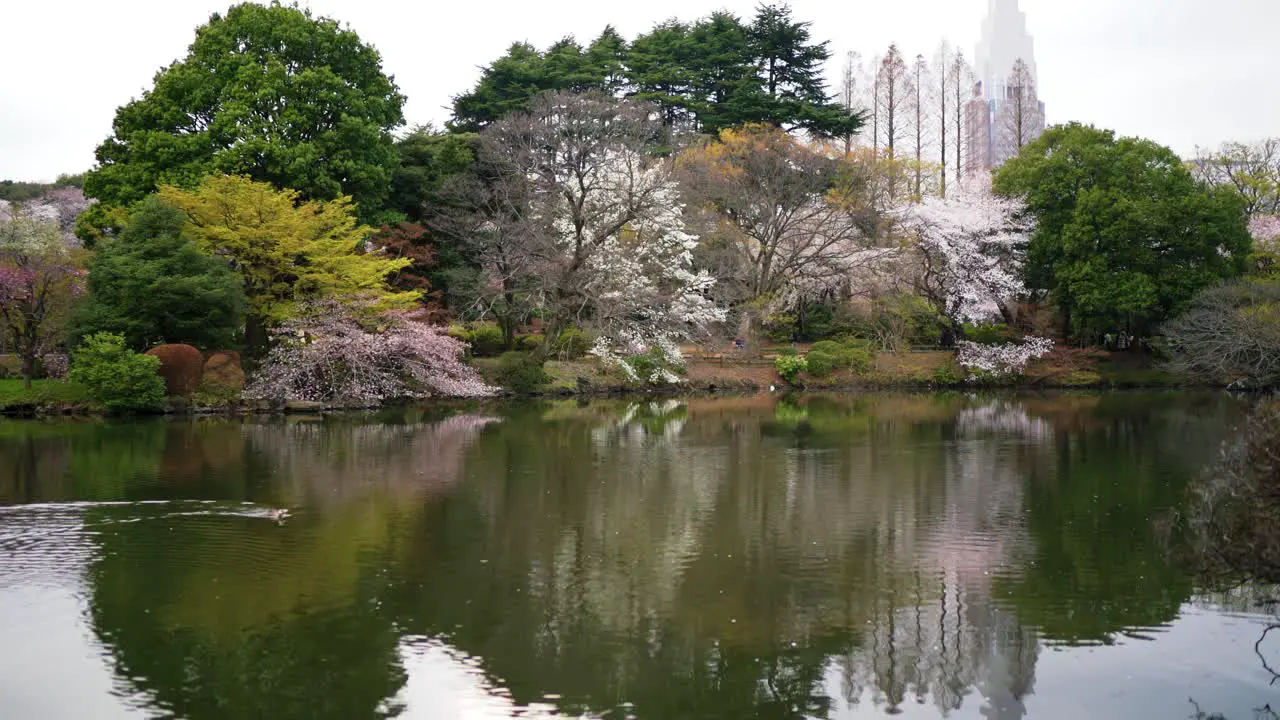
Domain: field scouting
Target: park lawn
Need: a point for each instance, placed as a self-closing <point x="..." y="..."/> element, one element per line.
<point x="42" y="392"/>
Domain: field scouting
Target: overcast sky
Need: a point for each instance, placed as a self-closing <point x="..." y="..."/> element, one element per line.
<point x="1182" y="72"/>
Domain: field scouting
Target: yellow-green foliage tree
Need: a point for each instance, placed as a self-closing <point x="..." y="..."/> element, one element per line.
<point x="287" y="251"/>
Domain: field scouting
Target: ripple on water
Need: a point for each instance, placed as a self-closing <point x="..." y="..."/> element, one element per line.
<point x="49" y="544"/>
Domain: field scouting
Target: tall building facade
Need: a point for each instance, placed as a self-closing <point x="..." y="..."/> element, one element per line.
<point x="1005" y="112"/>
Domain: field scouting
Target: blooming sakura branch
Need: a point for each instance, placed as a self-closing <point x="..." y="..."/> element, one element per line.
<point x="997" y="361"/>
<point x="328" y="355"/>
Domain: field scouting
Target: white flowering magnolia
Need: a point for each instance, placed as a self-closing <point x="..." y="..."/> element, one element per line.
<point x="1000" y="360"/>
<point x="640" y="282"/>
<point x="971" y="249"/>
<point x="592" y="227"/>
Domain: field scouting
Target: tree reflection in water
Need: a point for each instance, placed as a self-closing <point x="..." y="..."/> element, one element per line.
<point x="716" y="558"/>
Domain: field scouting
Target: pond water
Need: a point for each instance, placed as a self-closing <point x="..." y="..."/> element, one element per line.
<point x="822" y="557"/>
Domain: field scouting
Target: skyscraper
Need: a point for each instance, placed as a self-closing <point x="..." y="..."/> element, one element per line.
<point x="1005" y="112"/>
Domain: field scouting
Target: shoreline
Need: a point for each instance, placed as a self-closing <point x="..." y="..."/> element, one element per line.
<point x="178" y="408"/>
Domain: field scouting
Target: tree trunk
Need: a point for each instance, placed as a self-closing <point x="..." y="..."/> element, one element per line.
<point x="256" y="339"/>
<point x="28" y="369"/>
<point x="952" y="332"/>
<point x="507" y="320"/>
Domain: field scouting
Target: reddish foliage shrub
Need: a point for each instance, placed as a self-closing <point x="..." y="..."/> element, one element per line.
<point x="223" y="370"/>
<point x="181" y="366"/>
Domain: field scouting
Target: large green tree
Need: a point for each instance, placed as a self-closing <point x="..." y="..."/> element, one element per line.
<point x="264" y="91"/>
<point x="153" y="284"/>
<point x="513" y="80"/>
<point x="1126" y="236"/>
<point x="716" y="73"/>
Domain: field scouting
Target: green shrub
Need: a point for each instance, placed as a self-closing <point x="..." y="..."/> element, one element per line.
<point x="573" y="343"/>
<point x="861" y="354"/>
<point x="821" y="364"/>
<point x="828" y="347"/>
<point x="644" y="365"/>
<point x="846" y="353"/>
<point x="948" y="375"/>
<point x="116" y="377"/>
<point x="521" y="372"/>
<point x="487" y="340"/>
<point x="790" y="366"/>
<point x="991" y="334"/>
<point x="529" y="343"/>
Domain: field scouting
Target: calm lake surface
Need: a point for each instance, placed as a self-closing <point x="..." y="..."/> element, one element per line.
<point x="819" y="557"/>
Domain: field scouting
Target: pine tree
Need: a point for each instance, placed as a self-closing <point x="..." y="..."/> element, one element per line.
<point x="153" y="285"/>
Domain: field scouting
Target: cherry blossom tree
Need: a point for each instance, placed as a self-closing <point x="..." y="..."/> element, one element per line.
<point x="40" y="275"/>
<point x="1265" y="230"/>
<point x="59" y="205"/>
<point x="327" y="354"/>
<point x="969" y="248"/>
<point x="589" y="222"/>
<point x="1004" y="359"/>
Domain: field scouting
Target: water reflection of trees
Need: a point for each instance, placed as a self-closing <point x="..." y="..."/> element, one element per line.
<point x="761" y="558"/>
<point x="710" y="559"/>
<point x="234" y="616"/>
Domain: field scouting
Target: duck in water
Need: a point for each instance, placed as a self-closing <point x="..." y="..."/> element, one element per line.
<point x="279" y="515"/>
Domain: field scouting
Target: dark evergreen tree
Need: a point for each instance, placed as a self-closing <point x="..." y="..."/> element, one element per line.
<point x="607" y="57"/>
<point x="707" y="76"/>
<point x="505" y="86"/>
<point x="658" y="71"/>
<point x="790" y="67"/>
<point x="153" y="285"/>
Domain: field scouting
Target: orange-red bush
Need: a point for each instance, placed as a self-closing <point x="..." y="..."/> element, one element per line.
<point x="223" y="370"/>
<point x="181" y="366"/>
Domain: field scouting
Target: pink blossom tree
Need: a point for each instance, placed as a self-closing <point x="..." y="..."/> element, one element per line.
<point x="969" y="249"/>
<point x="330" y="354"/>
<point x="40" y="275"/>
<point x="1265" y="230"/>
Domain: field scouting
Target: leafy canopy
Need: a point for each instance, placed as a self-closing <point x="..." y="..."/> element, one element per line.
<point x="268" y="92"/>
<point x="716" y="73"/>
<point x="286" y="250"/>
<point x="1125" y="235"/>
<point x="153" y="285"/>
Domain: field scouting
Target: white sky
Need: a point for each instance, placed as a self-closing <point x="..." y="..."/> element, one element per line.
<point x="1181" y="72"/>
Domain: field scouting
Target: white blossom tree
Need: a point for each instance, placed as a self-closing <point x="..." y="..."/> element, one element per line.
<point x="969" y="250"/>
<point x="970" y="247"/>
<point x="600" y="238"/>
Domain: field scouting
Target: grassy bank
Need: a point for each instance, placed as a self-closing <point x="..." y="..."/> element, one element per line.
<point x="1063" y="368"/>
<point x="44" y="396"/>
